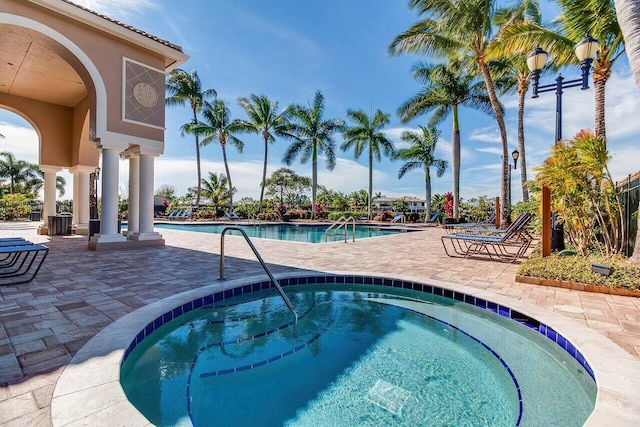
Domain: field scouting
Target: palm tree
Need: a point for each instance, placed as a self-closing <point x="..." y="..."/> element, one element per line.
<point x="446" y="87"/>
<point x="265" y="120"/>
<point x="366" y="133"/>
<point x="628" y="12"/>
<point x="421" y="154"/>
<point x="184" y="88"/>
<point x="216" y="188"/>
<point x="217" y="125"/>
<point x="515" y="73"/>
<point x="459" y="28"/>
<point x="594" y="17"/>
<point x="19" y="172"/>
<point x="312" y="135"/>
<point x="35" y="183"/>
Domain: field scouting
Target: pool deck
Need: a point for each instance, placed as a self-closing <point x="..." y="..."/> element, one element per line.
<point x="79" y="292"/>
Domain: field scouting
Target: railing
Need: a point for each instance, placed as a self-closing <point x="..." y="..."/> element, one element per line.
<point x="262" y="263"/>
<point x="342" y="224"/>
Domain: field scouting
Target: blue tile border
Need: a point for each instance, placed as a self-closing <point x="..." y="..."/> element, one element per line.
<point x="501" y="310"/>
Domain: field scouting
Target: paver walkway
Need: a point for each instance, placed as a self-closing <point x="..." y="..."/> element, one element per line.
<point x="79" y="292"/>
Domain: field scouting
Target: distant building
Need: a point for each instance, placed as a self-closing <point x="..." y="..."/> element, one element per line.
<point x="386" y="203"/>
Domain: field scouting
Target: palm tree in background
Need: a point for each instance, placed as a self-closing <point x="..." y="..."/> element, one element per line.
<point x="19" y="172"/>
<point x="628" y="12"/>
<point x="577" y="19"/>
<point x="265" y="120"/>
<point x="421" y="154"/>
<point x="186" y="88"/>
<point x="366" y="133"/>
<point x="216" y="189"/>
<point x="514" y="73"/>
<point x="35" y="184"/>
<point x="459" y="29"/>
<point x="446" y="87"/>
<point x="313" y="135"/>
<point x="217" y="125"/>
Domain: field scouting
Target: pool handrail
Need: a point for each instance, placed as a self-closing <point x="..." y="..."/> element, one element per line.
<point x="262" y="263"/>
<point x="337" y="225"/>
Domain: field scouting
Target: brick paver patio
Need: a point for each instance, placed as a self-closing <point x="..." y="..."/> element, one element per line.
<point x="78" y="292"/>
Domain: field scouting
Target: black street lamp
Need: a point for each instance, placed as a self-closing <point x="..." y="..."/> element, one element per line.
<point x="585" y="51"/>
<point x="93" y="193"/>
<point x="515" y="154"/>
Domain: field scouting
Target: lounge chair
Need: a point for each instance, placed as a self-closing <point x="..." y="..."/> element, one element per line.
<point x="231" y="215"/>
<point x="21" y="263"/>
<point x="433" y="219"/>
<point x="398" y="217"/>
<point x="503" y="245"/>
<point x="462" y="227"/>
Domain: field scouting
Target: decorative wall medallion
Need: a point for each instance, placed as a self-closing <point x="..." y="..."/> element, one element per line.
<point x="145" y="94"/>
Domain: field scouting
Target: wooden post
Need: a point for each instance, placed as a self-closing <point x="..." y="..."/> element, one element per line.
<point x="546" y="221"/>
<point x="497" y="212"/>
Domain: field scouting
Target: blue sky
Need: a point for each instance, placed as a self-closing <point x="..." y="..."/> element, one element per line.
<point x="288" y="49"/>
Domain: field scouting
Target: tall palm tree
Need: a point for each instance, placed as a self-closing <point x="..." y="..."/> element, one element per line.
<point x="19" y="172"/>
<point x="421" y="154"/>
<point x="313" y="135"/>
<point x="217" y="125"/>
<point x="446" y="87"/>
<point x="459" y="28"/>
<point x="35" y="183"/>
<point x="577" y="18"/>
<point x="186" y="88"/>
<point x="367" y="133"/>
<point x="515" y="73"/>
<point x="628" y="12"/>
<point x="216" y="188"/>
<point x="264" y="119"/>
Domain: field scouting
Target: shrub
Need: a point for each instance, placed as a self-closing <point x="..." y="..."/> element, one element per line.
<point x="334" y="216"/>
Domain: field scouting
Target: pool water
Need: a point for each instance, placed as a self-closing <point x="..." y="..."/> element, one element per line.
<point x="356" y="356"/>
<point x="293" y="233"/>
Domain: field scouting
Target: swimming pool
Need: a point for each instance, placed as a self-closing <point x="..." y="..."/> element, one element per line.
<point x="309" y="233"/>
<point x="366" y="351"/>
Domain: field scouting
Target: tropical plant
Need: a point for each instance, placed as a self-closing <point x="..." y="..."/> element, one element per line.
<point x="166" y="191"/>
<point x="36" y="182"/>
<point x="18" y="172"/>
<point x="367" y="134"/>
<point x="265" y="120"/>
<point x="583" y="193"/>
<point x="217" y="125"/>
<point x="459" y="29"/>
<point x="313" y="135"/>
<point x="421" y="154"/>
<point x="186" y="88"/>
<point x="216" y="189"/>
<point x="288" y="185"/>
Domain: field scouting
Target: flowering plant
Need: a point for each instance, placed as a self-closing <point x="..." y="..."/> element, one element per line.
<point x="448" y="204"/>
<point x="282" y="208"/>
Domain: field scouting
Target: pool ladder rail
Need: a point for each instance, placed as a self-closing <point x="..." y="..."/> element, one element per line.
<point x="284" y="296"/>
<point x="341" y="228"/>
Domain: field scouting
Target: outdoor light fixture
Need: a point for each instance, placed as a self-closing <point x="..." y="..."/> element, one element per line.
<point x="585" y="52"/>
<point x="515" y="154"/>
<point x="96" y="173"/>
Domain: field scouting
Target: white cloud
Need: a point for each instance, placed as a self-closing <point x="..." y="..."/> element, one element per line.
<point x="490" y="150"/>
<point x="117" y="9"/>
<point x="486" y="134"/>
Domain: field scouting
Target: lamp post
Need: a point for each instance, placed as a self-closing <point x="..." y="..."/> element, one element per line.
<point x="515" y="154"/>
<point x="93" y="193"/>
<point x="585" y="51"/>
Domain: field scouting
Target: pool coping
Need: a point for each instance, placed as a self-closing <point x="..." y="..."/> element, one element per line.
<point x="89" y="391"/>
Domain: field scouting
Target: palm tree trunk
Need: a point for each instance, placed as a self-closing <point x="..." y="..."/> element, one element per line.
<point x="314" y="184"/>
<point x="264" y="173"/>
<point x="427" y="185"/>
<point x="599" y="82"/>
<point x="199" y="187"/>
<point x="370" y="180"/>
<point x="497" y="111"/>
<point x="455" y="152"/>
<point x="226" y="168"/>
<point x="628" y="12"/>
<point x="522" y="92"/>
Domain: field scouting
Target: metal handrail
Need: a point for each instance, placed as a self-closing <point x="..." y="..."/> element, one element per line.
<point x="262" y="263"/>
<point x="342" y="222"/>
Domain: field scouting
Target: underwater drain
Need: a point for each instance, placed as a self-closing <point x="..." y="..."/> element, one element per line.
<point x="388" y="396"/>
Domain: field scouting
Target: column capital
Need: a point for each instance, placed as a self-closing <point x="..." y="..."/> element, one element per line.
<point x="49" y="168"/>
<point x="137" y="151"/>
<point x="82" y="168"/>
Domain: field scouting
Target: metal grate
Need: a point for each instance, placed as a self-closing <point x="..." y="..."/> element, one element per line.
<point x="388" y="396"/>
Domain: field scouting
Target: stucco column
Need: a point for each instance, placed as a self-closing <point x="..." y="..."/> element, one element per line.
<point x="133" y="220"/>
<point x="109" y="221"/>
<point x="81" y="176"/>
<point x="146" y="199"/>
<point x="49" y="206"/>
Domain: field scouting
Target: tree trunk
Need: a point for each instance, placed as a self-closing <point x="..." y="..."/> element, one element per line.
<point x="314" y="179"/>
<point x="628" y="12"/>
<point x="264" y="173"/>
<point x="599" y="81"/>
<point x="427" y="183"/>
<point x="497" y="111"/>
<point x="370" y="181"/>
<point x="523" y="86"/>
<point x="455" y="154"/>
<point x="199" y="187"/>
<point x="226" y="168"/>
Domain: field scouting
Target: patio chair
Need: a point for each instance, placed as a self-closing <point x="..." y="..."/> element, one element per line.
<point x="398" y="217"/>
<point x="21" y="263"/>
<point x="231" y="215"/>
<point x="461" y="227"/>
<point x="507" y="245"/>
<point x="433" y="220"/>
